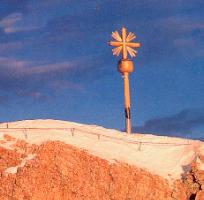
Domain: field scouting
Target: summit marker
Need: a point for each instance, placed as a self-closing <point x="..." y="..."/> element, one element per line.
<point x="123" y="45"/>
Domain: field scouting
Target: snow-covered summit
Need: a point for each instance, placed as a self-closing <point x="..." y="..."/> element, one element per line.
<point x="164" y="156"/>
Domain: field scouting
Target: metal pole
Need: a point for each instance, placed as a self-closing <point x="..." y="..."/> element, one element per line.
<point x="127" y="102"/>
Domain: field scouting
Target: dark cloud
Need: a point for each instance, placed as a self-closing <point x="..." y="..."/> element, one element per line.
<point x="25" y="78"/>
<point x="181" y="124"/>
<point x="171" y="38"/>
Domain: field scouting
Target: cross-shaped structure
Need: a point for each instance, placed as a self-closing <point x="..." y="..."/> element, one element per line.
<point x="125" y="66"/>
<point x="123" y="43"/>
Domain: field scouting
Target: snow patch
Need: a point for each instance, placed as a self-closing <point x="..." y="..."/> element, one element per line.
<point x="200" y="164"/>
<point x="8" y="145"/>
<point x="13" y="170"/>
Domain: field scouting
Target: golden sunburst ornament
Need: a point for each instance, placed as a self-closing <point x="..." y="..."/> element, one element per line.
<point x="123" y="44"/>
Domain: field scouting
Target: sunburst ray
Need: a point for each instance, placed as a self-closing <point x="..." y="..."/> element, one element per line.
<point x="116" y="51"/>
<point x="116" y="36"/>
<point x="131" y="36"/>
<point x="131" y="51"/>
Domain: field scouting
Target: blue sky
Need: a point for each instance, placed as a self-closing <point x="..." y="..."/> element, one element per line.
<point x="55" y="63"/>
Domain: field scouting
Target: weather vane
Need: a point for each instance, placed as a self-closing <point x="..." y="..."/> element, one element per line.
<point x="123" y="44"/>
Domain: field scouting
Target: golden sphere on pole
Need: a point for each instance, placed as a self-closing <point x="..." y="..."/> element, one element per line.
<point x="125" y="66"/>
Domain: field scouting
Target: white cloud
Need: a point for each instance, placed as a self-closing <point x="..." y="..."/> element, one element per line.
<point x="26" y="68"/>
<point x="15" y="29"/>
<point x="16" y="22"/>
<point x="10" y="20"/>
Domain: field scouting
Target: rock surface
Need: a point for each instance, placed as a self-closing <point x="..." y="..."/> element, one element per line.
<point x="61" y="171"/>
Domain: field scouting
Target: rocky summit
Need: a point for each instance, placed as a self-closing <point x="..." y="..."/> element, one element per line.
<point x="58" y="160"/>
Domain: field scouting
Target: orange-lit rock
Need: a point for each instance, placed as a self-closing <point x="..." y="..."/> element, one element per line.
<point x="60" y="171"/>
<point x="200" y="195"/>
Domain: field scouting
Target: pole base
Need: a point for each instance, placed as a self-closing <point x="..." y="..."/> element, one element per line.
<point x="127" y="120"/>
<point x="128" y="126"/>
